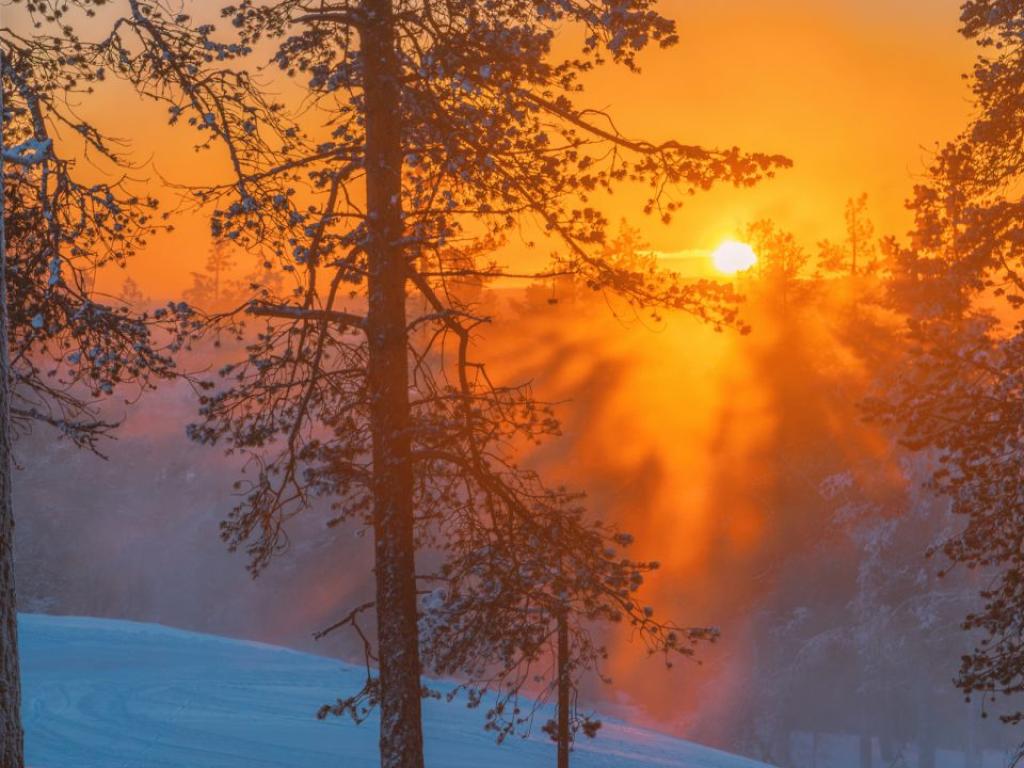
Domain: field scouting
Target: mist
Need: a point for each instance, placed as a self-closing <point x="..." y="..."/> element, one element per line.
<point x="744" y="464"/>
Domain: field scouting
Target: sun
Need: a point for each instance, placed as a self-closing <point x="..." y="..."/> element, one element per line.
<point x="732" y="257"/>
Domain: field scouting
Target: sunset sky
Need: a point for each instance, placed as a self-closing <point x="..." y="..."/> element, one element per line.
<point x="857" y="93"/>
<point x="770" y="455"/>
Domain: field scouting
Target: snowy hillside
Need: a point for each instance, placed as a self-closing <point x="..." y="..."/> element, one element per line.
<point x="116" y="694"/>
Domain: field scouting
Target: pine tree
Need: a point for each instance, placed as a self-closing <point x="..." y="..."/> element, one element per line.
<point x="219" y="263"/>
<point x="857" y="248"/>
<point x="860" y="233"/>
<point x="781" y="260"/>
<point x="443" y="127"/>
<point x="61" y="350"/>
<point x="11" y="735"/>
<point x="958" y="282"/>
<point x="131" y="294"/>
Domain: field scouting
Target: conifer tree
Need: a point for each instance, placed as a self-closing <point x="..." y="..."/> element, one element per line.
<point x="780" y="258"/>
<point x="959" y="283"/>
<point x="858" y="252"/>
<point x="435" y="128"/>
<point x="860" y="233"/>
<point x="62" y="348"/>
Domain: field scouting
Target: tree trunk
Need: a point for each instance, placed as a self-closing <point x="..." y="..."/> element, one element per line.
<point x="853" y="243"/>
<point x="866" y="748"/>
<point x="925" y="746"/>
<point x="887" y="749"/>
<point x="925" y="737"/>
<point x="866" y="738"/>
<point x="926" y="754"/>
<point x="401" y="735"/>
<point x="973" y="757"/>
<point x="563" y="691"/>
<point x="11" y="737"/>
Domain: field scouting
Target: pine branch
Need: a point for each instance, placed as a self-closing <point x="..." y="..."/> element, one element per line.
<point x="290" y="312"/>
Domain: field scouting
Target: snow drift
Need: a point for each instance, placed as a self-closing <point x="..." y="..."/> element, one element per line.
<point x="118" y="694"/>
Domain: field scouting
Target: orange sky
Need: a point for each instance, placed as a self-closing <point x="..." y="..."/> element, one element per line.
<point x="856" y="92"/>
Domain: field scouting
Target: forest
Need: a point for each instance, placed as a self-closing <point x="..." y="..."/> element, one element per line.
<point x="605" y="383"/>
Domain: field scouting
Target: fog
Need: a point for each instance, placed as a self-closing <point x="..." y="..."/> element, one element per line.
<point x="744" y="464"/>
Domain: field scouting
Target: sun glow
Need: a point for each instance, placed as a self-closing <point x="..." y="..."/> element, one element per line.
<point x="732" y="257"/>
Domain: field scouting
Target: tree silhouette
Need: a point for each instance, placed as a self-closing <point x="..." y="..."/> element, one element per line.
<point x="780" y="258"/>
<point x="959" y="284"/>
<point x="437" y="128"/>
<point x="213" y="289"/>
<point x="11" y="732"/>
<point x="131" y="294"/>
<point x="860" y="233"/>
<point x="62" y="348"/>
<point x="858" y="247"/>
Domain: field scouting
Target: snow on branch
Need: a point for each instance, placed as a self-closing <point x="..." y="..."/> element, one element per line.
<point x="28" y="153"/>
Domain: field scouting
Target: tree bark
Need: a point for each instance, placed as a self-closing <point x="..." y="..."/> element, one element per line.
<point x="563" y="691"/>
<point x="854" y="238"/>
<point x="926" y="753"/>
<point x="973" y="756"/>
<point x="925" y="737"/>
<point x="866" y="749"/>
<point x="11" y="736"/>
<point x="401" y="735"/>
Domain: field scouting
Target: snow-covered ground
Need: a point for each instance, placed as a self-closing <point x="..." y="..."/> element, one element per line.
<point x="117" y="694"/>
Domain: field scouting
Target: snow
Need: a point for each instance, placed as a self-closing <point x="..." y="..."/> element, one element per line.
<point x="116" y="694"/>
<point x="31" y="152"/>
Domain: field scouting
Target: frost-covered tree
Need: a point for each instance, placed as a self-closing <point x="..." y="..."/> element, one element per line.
<point x="210" y="288"/>
<point x="858" y="247"/>
<point x="63" y="347"/>
<point x="221" y="286"/>
<point x="960" y="283"/>
<point x="781" y="259"/>
<point x="521" y="602"/>
<point x="429" y="129"/>
<point x="131" y="294"/>
<point x="11" y="734"/>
